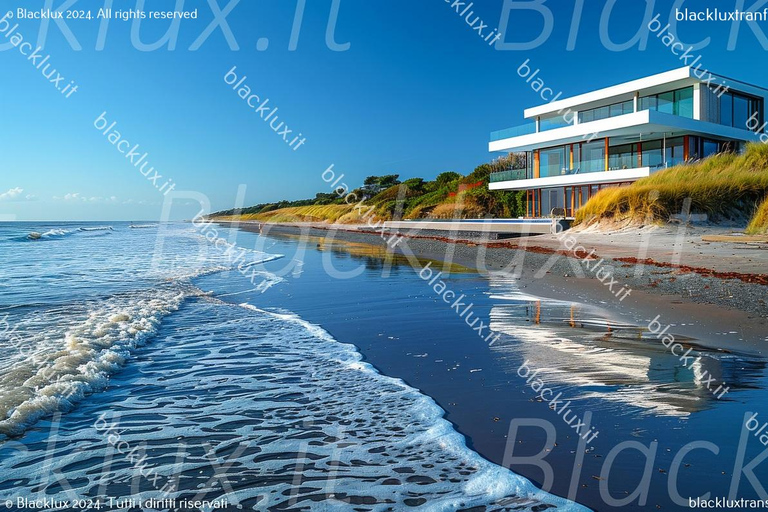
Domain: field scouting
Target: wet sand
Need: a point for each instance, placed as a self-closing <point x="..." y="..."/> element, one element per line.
<point x="591" y="346"/>
<point x="698" y="306"/>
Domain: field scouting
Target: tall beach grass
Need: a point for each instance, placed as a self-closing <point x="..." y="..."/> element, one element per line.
<point x="724" y="186"/>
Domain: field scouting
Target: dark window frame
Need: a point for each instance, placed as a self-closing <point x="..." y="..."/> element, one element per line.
<point x="753" y="102"/>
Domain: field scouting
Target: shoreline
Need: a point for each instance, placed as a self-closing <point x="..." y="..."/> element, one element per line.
<point x="634" y="387"/>
<point x="694" y="304"/>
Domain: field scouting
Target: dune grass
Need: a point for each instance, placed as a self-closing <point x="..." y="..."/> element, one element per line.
<point x="722" y="186"/>
<point x="316" y="213"/>
<point x="758" y="225"/>
<point x="448" y="195"/>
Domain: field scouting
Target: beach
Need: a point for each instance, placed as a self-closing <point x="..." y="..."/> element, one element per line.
<point x="595" y="349"/>
<point x="175" y="374"/>
<point x="307" y="367"/>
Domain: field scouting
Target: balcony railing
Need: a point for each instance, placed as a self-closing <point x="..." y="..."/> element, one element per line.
<point x="514" y="174"/>
<point x="515" y="131"/>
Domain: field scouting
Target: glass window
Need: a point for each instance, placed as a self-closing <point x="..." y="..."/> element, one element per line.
<point x="584" y="196"/>
<point x="593" y="156"/>
<point x="652" y="156"/>
<point x="616" y="109"/>
<point x="679" y="102"/>
<point x="674" y="151"/>
<point x="684" y="102"/>
<point x="666" y="102"/>
<point x="551" y="198"/>
<point x="693" y="148"/>
<point x="648" y="103"/>
<point x="710" y="147"/>
<point x="552" y="162"/>
<point x="740" y="112"/>
<point x="544" y="207"/>
<point x="622" y="157"/>
<point x="726" y="109"/>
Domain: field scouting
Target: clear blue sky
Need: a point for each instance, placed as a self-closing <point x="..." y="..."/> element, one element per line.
<point x="416" y="93"/>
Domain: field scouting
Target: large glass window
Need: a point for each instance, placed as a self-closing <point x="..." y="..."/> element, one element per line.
<point x="726" y="109"/>
<point x="652" y="154"/>
<point x="551" y="198"/>
<point x="576" y="154"/>
<point x="741" y="111"/>
<point x="552" y="162"/>
<point x="710" y="147"/>
<point x="616" y="109"/>
<point x="622" y="157"/>
<point x="674" y="151"/>
<point x="649" y="103"/>
<point x="693" y="148"/>
<point x="684" y="102"/>
<point x="667" y="102"/>
<point x="664" y="153"/>
<point x="593" y="157"/>
<point x="679" y="102"/>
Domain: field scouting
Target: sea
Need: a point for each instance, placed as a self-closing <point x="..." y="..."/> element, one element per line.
<point x="145" y="362"/>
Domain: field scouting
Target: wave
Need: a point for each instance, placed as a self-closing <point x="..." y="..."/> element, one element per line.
<point x="52" y="233"/>
<point x="59" y="374"/>
<point x="97" y="341"/>
<point x="434" y="446"/>
<point x="264" y="259"/>
<point x="60" y="233"/>
<point x="300" y="418"/>
<point x="98" y="228"/>
<point x="142" y="226"/>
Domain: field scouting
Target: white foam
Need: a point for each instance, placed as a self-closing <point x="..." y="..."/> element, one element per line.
<point x="97" y="228"/>
<point x="88" y="352"/>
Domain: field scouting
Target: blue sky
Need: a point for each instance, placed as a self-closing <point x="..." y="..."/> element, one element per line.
<point x="416" y="93"/>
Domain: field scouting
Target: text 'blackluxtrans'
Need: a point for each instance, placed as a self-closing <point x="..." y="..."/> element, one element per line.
<point x="265" y="111"/>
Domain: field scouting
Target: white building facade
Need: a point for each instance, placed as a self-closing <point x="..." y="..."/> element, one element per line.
<point x="616" y="135"/>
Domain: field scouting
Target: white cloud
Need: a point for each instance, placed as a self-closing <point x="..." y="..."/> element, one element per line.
<point x="11" y="194"/>
<point x="77" y="197"/>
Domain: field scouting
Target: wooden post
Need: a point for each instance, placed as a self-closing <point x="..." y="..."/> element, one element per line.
<point x="686" y="153"/>
<point x="639" y="154"/>
<point x="606" y="153"/>
<point x="529" y="206"/>
<point x="536" y="163"/>
<point x="538" y="203"/>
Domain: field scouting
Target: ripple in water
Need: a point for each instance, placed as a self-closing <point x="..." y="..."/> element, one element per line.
<point x="290" y="419"/>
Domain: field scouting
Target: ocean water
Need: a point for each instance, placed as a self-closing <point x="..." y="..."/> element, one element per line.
<point x="134" y="366"/>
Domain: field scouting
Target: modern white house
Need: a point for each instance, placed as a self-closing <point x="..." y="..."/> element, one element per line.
<point x="613" y="136"/>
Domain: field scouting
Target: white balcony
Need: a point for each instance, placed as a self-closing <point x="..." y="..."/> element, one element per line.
<point x="574" y="180"/>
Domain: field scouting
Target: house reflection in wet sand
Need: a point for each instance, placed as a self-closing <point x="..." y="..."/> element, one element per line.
<point x="577" y="347"/>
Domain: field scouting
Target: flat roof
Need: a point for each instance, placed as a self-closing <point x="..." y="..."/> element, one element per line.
<point x="676" y="78"/>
